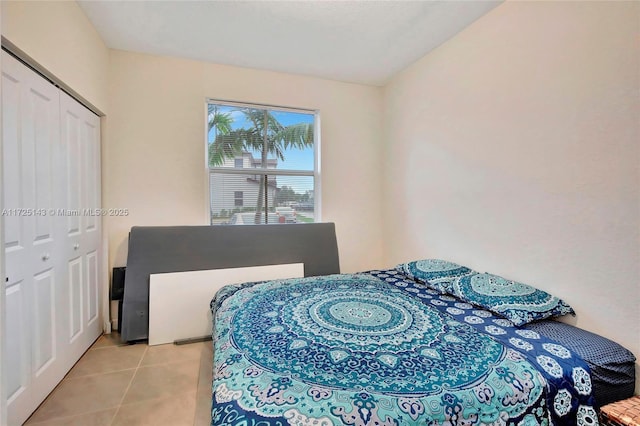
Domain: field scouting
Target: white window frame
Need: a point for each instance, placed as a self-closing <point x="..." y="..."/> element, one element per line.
<point x="316" y="173"/>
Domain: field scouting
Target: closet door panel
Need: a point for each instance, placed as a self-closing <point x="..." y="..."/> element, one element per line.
<point x="17" y="343"/>
<point x="75" y="299"/>
<point x="40" y="125"/>
<point x="92" y="280"/>
<point x="12" y="170"/>
<point x="39" y="184"/>
<point x="35" y="267"/>
<point x="91" y="175"/>
<point x="72" y="150"/>
<point x="16" y="238"/>
<point x="92" y="238"/>
<point x="44" y="320"/>
<point x="81" y="142"/>
<point x="41" y="132"/>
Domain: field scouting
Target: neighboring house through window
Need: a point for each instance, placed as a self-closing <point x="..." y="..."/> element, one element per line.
<point x="239" y="198"/>
<point x="262" y="164"/>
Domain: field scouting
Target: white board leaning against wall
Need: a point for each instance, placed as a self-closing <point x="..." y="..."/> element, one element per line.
<point x="179" y="301"/>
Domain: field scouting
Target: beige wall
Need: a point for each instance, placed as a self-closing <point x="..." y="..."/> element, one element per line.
<point x="3" y="398"/>
<point x="58" y="35"/>
<point x="514" y="148"/>
<point x="154" y="159"/>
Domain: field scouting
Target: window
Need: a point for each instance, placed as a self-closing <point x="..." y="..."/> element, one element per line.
<point x="262" y="164"/>
<point x="238" y="198"/>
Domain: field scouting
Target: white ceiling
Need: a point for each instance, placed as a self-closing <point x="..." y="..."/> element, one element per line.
<point x="356" y="41"/>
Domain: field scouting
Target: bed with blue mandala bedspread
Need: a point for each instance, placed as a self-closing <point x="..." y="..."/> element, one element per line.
<point x="379" y="348"/>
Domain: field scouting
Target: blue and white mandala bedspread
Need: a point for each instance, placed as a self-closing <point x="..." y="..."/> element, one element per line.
<point x="381" y="349"/>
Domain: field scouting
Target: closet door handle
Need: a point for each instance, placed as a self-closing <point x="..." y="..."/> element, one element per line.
<point x="45" y="257"/>
<point x="76" y="246"/>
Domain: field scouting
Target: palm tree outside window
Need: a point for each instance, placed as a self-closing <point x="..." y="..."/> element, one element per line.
<point x="269" y="155"/>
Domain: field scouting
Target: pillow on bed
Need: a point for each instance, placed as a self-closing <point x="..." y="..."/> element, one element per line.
<point x="435" y="273"/>
<point x="519" y="303"/>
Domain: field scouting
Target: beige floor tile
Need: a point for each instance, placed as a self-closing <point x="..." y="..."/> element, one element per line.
<point x="108" y="359"/>
<point x="105" y="340"/>
<point x="151" y="377"/>
<point x="203" y="409"/>
<point x="163" y="354"/>
<point x="84" y="395"/>
<point x="99" y="418"/>
<point x="205" y="375"/>
<point x="163" y="381"/>
<point x="175" y="410"/>
<point x="208" y="346"/>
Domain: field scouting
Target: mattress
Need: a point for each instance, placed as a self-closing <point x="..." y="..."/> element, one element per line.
<point x="378" y="348"/>
<point x="613" y="372"/>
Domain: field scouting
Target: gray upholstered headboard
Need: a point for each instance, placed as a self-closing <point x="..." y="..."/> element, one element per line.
<point x="158" y="249"/>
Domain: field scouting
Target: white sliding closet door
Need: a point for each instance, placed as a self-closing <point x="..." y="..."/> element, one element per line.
<point x="80" y="134"/>
<point x="35" y="278"/>
<point x="50" y="172"/>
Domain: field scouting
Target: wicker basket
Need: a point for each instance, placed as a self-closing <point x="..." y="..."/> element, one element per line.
<point x="621" y="413"/>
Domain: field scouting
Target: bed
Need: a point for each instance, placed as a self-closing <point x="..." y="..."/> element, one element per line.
<point x="391" y="347"/>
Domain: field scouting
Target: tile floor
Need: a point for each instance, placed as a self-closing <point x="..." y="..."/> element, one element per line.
<point x="133" y="385"/>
